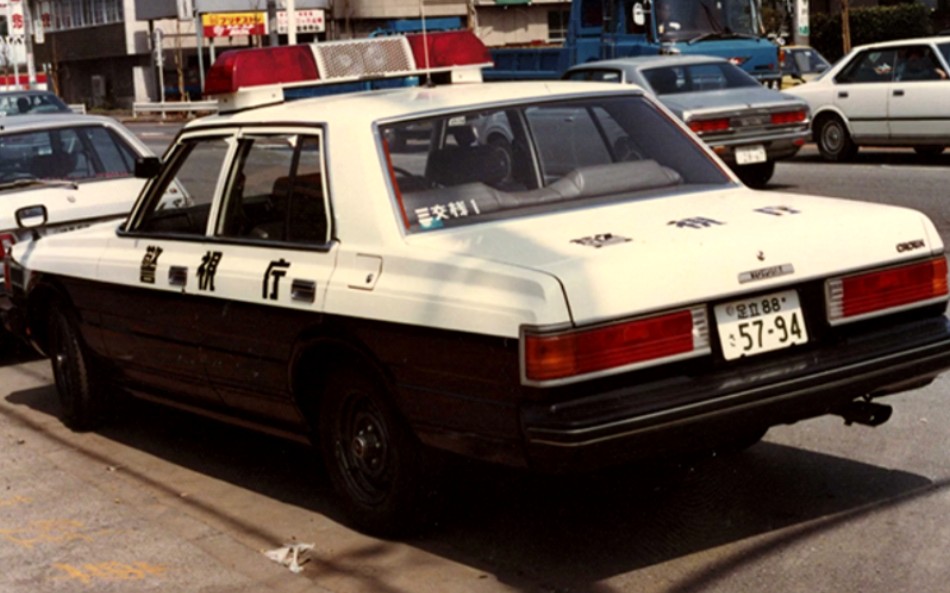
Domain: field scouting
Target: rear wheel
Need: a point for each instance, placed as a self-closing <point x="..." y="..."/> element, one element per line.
<point x="756" y="175"/>
<point x="834" y="141"/>
<point x="83" y="394"/>
<point x="374" y="460"/>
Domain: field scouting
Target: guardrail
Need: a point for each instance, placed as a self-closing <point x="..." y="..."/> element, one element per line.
<point x="188" y="107"/>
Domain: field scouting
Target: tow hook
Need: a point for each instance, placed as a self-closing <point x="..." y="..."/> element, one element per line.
<point x="865" y="412"/>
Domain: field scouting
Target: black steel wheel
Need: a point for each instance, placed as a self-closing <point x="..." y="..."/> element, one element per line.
<point x="756" y="175"/>
<point x="834" y="141"/>
<point x="372" y="457"/>
<point x="83" y="395"/>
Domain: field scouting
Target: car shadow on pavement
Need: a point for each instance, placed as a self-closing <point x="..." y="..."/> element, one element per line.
<point x="882" y="156"/>
<point x="567" y="531"/>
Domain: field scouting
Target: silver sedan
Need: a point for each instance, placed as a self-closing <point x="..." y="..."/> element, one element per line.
<point x="748" y="125"/>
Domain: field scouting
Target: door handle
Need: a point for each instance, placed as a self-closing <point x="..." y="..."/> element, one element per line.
<point x="303" y="290"/>
<point x="899" y="92"/>
<point x="842" y="94"/>
<point x="178" y="276"/>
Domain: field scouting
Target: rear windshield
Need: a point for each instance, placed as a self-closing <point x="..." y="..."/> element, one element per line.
<point x="697" y="78"/>
<point x="464" y="168"/>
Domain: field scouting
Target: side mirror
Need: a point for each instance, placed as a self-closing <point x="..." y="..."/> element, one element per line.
<point x="639" y="14"/>
<point x="147" y="167"/>
<point x="31" y="217"/>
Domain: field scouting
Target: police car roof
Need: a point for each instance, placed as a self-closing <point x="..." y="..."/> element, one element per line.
<point x="381" y="105"/>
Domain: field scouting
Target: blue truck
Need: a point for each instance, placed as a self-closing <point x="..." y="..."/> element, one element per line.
<point x="605" y="29"/>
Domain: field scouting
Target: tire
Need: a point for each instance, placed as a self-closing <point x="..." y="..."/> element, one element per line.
<point x="756" y="175"/>
<point x="83" y="394"/>
<point x="834" y="141"/>
<point x="929" y="152"/>
<point x="373" y="459"/>
<point x="743" y="441"/>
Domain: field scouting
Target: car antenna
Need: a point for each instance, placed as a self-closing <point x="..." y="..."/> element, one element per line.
<point x="422" y="15"/>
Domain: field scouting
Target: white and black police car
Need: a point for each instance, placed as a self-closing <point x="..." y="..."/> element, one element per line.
<point x="549" y="275"/>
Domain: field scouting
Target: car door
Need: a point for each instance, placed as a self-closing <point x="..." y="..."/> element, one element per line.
<point x="271" y="259"/>
<point x="152" y="320"/>
<point x="861" y="93"/>
<point x="918" y="106"/>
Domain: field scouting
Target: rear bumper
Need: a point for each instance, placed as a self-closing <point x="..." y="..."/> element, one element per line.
<point x="777" y="146"/>
<point x="691" y="412"/>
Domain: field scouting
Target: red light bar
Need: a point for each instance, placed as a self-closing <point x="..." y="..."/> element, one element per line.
<point x="888" y="290"/>
<point x="252" y="77"/>
<point x="708" y="126"/>
<point x="448" y="48"/>
<point x="238" y="69"/>
<point x="572" y="354"/>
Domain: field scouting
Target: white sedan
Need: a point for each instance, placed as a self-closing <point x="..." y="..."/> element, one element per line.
<point x="884" y="94"/>
<point x="605" y="291"/>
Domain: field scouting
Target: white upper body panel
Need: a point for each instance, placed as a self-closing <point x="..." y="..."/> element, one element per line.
<point x="641" y="250"/>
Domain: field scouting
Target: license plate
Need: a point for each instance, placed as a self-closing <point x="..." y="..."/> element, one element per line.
<point x="747" y="155"/>
<point x="752" y="326"/>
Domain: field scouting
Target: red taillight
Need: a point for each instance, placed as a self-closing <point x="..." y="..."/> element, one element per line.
<point x="789" y="117"/>
<point x="708" y="126"/>
<point x="853" y="297"/>
<point x="448" y="48"/>
<point x="739" y="60"/>
<point x="238" y="69"/>
<point x="6" y="242"/>
<point x="554" y="357"/>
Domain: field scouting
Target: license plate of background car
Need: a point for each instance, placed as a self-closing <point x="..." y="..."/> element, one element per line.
<point x="747" y="155"/>
<point x="762" y="324"/>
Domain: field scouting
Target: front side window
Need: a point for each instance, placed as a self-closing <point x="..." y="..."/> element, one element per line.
<point x="179" y="201"/>
<point x="83" y="153"/>
<point x="511" y="161"/>
<point x="868" y="67"/>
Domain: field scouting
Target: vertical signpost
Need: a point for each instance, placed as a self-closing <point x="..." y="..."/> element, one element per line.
<point x="802" y="30"/>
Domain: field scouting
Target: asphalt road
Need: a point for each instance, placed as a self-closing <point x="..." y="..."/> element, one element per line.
<point x="162" y="501"/>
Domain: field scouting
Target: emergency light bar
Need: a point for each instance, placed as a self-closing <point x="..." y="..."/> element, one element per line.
<point x="252" y="77"/>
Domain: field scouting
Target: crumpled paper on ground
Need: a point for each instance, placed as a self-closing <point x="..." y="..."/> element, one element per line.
<point x="290" y="555"/>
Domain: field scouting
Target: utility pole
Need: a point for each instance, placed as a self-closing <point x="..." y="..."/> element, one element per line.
<point x="845" y="27"/>
<point x="272" y="39"/>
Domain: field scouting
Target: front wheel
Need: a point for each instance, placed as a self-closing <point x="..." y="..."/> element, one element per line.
<point x="83" y="395"/>
<point x="372" y="457"/>
<point x="756" y="175"/>
<point x="834" y="141"/>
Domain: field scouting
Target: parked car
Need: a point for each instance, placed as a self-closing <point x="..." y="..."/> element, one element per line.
<point x="801" y="63"/>
<point x="31" y="102"/>
<point x="79" y="168"/>
<point x="607" y="292"/>
<point x="893" y="93"/>
<point x="748" y="125"/>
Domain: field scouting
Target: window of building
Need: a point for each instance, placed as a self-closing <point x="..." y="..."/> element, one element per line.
<point x="557" y="25"/>
<point x="77" y="14"/>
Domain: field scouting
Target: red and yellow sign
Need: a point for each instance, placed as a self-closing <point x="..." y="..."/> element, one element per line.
<point x="230" y="24"/>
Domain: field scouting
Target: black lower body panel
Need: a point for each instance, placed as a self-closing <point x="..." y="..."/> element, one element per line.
<point x="728" y="402"/>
